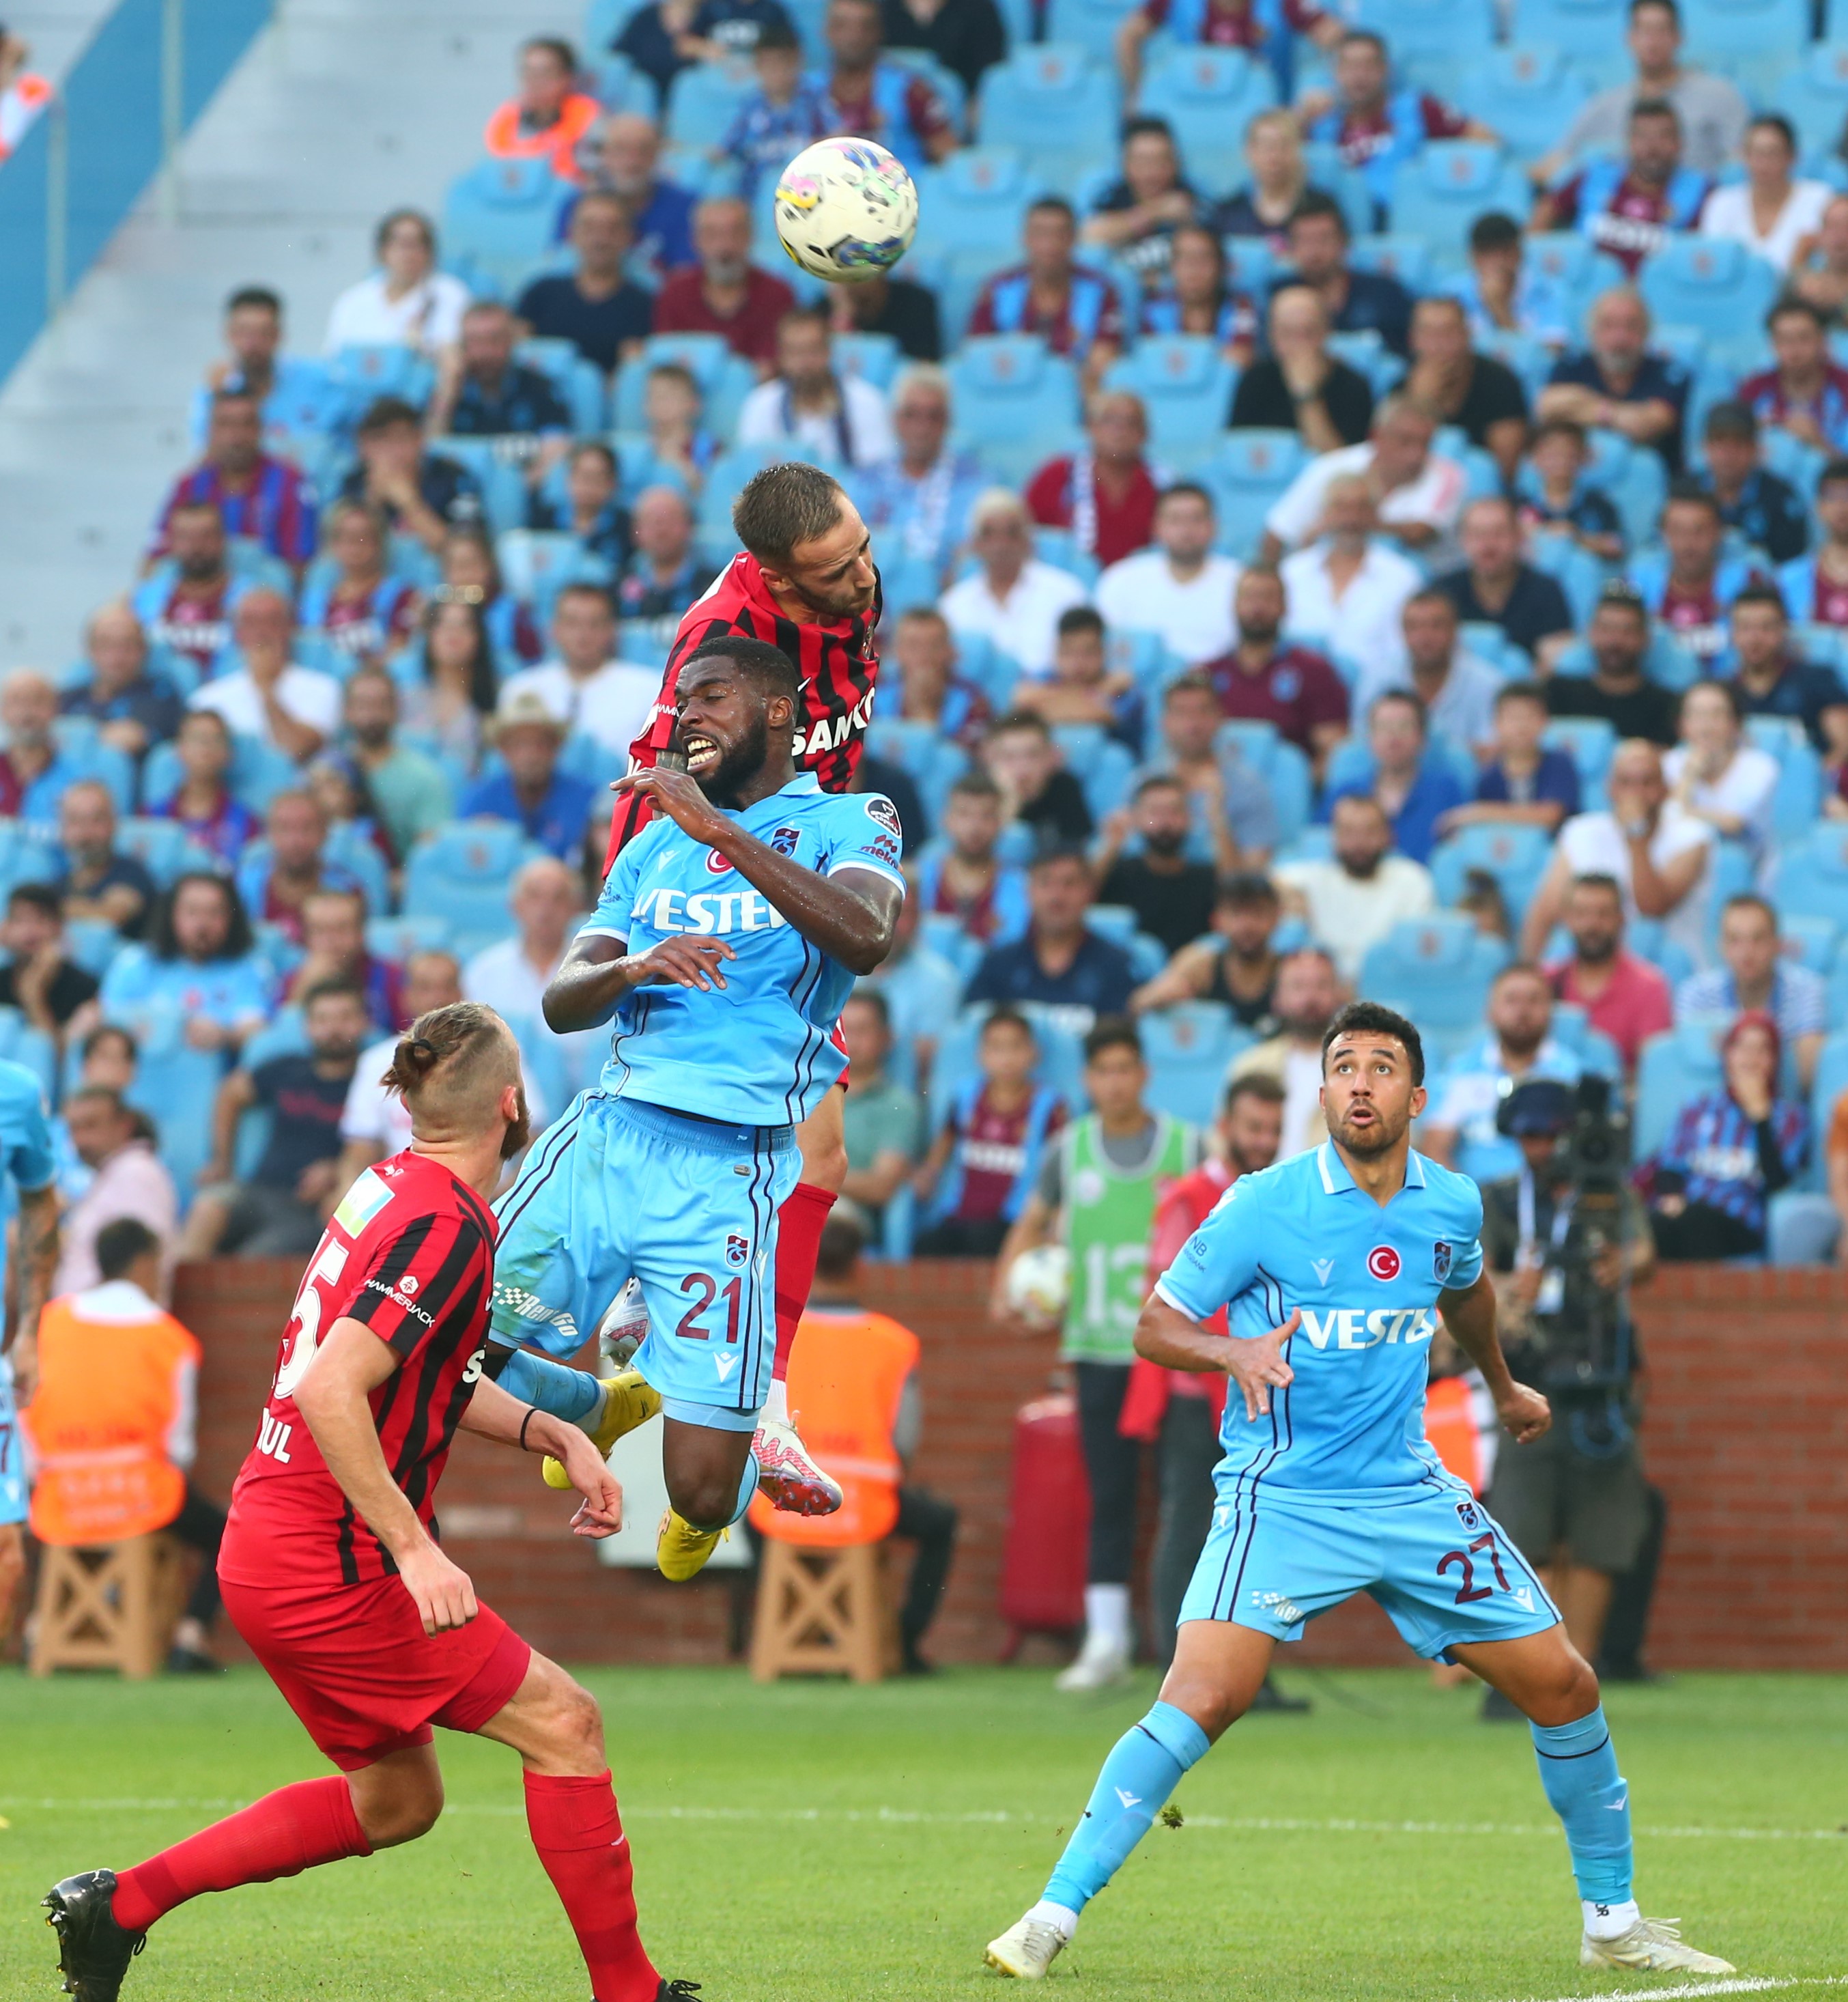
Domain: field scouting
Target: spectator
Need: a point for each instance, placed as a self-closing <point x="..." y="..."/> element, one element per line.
<point x="589" y="513"/>
<point x="407" y="301"/>
<point x="967" y="36"/>
<point x="553" y="807"/>
<point x="100" y="885"/>
<point x="1199" y="299"/>
<point x="1456" y="688"/>
<point x="1077" y="311"/>
<point x="1624" y="997"/>
<point x="422" y="494"/>
<point x="1806" y="394"/>
<point x="1373" y="127"/>
<point x="293" y="709"/>
<point x="1347" y="590"/>
<point x="1716" y="776"/>
<point x="1172" y="898"/>
<point x="1770" y="212"/>
<point x="923" y="497"/>
<point x="884" y="1133"/>
<point x="1765" y="510"/>
<point x="1013" y="599"/>
<point x="584" y="688"/>
<point x="353" y="817"/>
<point x="679" y="443"/>
<point x="280" y="1210"/>
<point x="1414" y="788"/>
<point x="375" y="1123"/>
<point x="931" y="688"/>
<point x="1298" y="386"/>
<point x="1418" y="493"/>
<point x="1181" y="589"/>
<point x="1234" y="823"/>
<point x="722" y="292"/>
<point x="867" y="95"/>
<point x="785" y="114"/>
<point x="1236" y="967"/>
<point x="962" y="877"/>
<point x="199" y="965"/>
<point x="1134" y="218"/>
<point x="1307" y="996"/>
<point x="185" y="601"/>
<point x="265" y="500"/>
<point x="472" y="576"/>
<point x="1072" y="973"/>
<point x="412" y="792"/>
<point x="333" y="948"/>
<point x="1523" y="783"/>
<point x="1083" y="687"/>
<point x="1815" y="587"/>
<point x="1261" y="680"/>
<point x="33" y="773"/>
<point x="881" y="304"/>
<point x="663" y="574"/>
<point x="106" y="1056"/>
<point x="1711" y="112"/>
<point x="1350" y="900"/>
<point x="1615" y="383"/>
<point x="1505" y="291"/>
<point x="1036" y="791"/>
<point x="1356" y="302"/>
<point x="276" y="878"/>
<point x="1730" y="1151"/>
<point x="1104" y="494"/>
<point x="1479" y="395"/>
<point x="1772" y="681"/>
<point x="451" y="681"/>
<point x="291" y="390"/>
<point x="1756" y="977"/>
<point x="807" y="404"/>
<point x="1659" y="856"/>
<point x="594" y="306"/>
<point x="132" y="709"/>
<point x="361" y="610"/>
<point x="665" y="37"/>
<point x="1496" y="587"/>
<point x="1617" y="690"/>
<point x="1629" y="208"/>
<point x="1559" y="496"/>
<point x="128" y="1179"/>
<point x="490" y="395"/>
<point x="1279" y="184"/>
<point x="548" y="117"/>
<point x="920" y="986"/>
<point x="660" y="211"/>
<point x="39" y="979"/>
<point x="203" y="803"/>
<point x="1821" y="275"/>
<point x="1459" y="1127"/>
<point x="511" y="977"/>
<point x="984" y="1163"/>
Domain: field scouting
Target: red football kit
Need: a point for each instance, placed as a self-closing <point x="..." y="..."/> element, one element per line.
<point x="1180" y="1210"/>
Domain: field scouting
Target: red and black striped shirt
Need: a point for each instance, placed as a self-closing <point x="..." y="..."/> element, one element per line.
<point x="410" y="1254"/>
<point x="836" y="662"/>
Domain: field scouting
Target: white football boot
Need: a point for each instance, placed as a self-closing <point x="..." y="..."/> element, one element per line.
<point x="1027" y="1949"/>
<point x="1651" y="1946"/>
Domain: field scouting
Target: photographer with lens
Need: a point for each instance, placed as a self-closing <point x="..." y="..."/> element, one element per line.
<point x="1566" y="1238"/>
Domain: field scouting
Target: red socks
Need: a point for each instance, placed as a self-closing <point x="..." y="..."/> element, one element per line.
<point x="798" y="1246"/>
<point x="580" y="1839"/>
<point x="281" y="1836"/>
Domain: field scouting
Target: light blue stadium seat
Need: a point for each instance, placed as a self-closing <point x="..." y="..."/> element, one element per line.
<point x="537" y="563"/>
<point x="349" y="847"/>
<point x="1797" y="803"/>
<point x="1188" y="1048"/>
<point x="1675" y="1069"/>
<point x="499" y="477"/>
<point x="1529" y="94"/>
<point x="1441" y="967"/>
<point x="1531" y="360"/>
<point x="161" y="847"/>
<point x="1594" y="1049"/>
<point x="1515" y="856"/>
<point x="578" y="381"/>
<point x="1439" y="192"/>
<point x="1059" y="547"/>
<point x="1635" y="478"/>
<point x="1811" y="941"/>
<point x="20" y="1043"/>
<point x="702" y="101"/>
<point x="726" y="479"/>
<point x="1055" y="100"/>
<point x="92" y="944"/>
<point x="87" y="756"/>
<point x="1573" y="267"/>
<point x="876" y="358"/>
<point x="977" y="199"/>
<point x="1351" y="766"/>
<point x="500" y="220"/>
<point x="725" y="379"/>
<point x="1016" y="401"/>
<point x="258" y="771"/>
<point x="24" y="856"/>
<point x="1089" y="25"/>
<point x="359" y="374"/>
<point x="619" y="86"/>
<point x="1250" y="264"/>
<point x="1456" y="30"/>
<point x="1395" y="254"/>
<point x="1592" y="742"/>
<point x="176" y="1085"/>
<point x="1283" y="768"/>
<point x="1578" y="573"/>
<point x="397" y="939"/>
<point x="1186" y="383"/>
<point x="947" y="84"/>
<point x="1812" y="873"/>
<point x="1814" y="96"/>
<point x="461" y="874"/>
<point x="1323" y="162"/>
<point x="1754" y="42"/>
<point x="1709" y="283"/>
<point x="1363" y="349"/>
<point x="1208" y="97"/>
<point x="944" y="936"/>
<point x="1592" y="30"/>
<point x="933" y="763"/>
<point x="1247" y="473"/>
<point x="1100" y="764"/>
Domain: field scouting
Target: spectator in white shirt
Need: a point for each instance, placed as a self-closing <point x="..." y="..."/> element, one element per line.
<point x="129" y="1179"/>
<point x="1353" y="899"/>
<point x="583" y="684"/>
<point x="1419" y="494"/>
<point x="1716" y="776"/>
<point x="1457" y="688"/>
<point x="1180" y="588"/>
<point x="839" y="420"/>
<point x="293" y="708"/>
<point x="1769" y="211"/>
<point x="1013" y="599"/>
<point x="407" y="301"/>
<point x="511" y="977"/>
<point x="1347" y="590"/>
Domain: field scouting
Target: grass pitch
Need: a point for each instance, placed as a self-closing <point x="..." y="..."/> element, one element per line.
<point x="812" y="1842"/>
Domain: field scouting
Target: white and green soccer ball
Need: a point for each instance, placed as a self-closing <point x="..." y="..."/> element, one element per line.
<point x="846" y="210"/>
<point x="1039" y="1283"/>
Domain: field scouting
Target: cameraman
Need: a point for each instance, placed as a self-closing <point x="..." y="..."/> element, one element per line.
<point x="1574" y="1501"/>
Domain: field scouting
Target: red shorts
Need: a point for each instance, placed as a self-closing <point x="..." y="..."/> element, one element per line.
<point x="356" y="1666"/>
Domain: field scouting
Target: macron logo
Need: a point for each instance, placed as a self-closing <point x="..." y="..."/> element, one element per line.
<point x="1323" y="1266"/>
<point x="1128" y="1800"/>
<point x="725" y="1365"/>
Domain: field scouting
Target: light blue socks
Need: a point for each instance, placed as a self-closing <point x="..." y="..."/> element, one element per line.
<point x="1578" y="1769"/>
<point x="1144" y="1767"/>
<point x="570" y="1394"/>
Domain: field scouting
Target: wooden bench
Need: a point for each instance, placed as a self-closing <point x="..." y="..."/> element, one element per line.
<point x="824" y="1612"/>
<point x="114" y="1607"/>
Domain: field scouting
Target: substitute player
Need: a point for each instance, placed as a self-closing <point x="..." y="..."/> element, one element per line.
<point x="26" y="1162"/>
<point x="805" y="584"/>
<point x="1332" y="1262"/>
<point x="331" y="1569"/>
<point x="727" y="937"/>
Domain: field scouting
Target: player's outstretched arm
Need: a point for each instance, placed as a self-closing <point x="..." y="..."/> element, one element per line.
<point x="1166" y="1335"/>
<point x="492" y="1414"/>
<point x="1468" y="1313"/>
<point x="37" y="1259"/>
<point x="350" y="1364"/>
<point x="599" y="970"/>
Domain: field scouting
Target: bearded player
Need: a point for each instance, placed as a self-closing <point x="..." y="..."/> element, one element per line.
<point x="1333" y="1263"/>
<point x="805" y="585"/>
<point x="331" y="1571"/>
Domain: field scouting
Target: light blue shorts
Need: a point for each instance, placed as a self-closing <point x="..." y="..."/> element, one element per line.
<point x="619" y="1189"/>
<point x="13" y="1451"/>
<point x="1438" y="1564"/>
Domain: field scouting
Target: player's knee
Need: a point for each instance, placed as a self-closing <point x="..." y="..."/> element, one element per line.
<point x="1565" y="1691"/>
<point x="705" y="1500"/>
<point x="572" y="1725"/>
<point x="402" y="1816"/>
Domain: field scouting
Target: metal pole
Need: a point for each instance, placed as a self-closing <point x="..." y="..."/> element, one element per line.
<point x="58" y="203"/>
<point x="172" y="104"/>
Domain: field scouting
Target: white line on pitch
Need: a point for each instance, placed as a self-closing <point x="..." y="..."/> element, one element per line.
<point x="1740" y="1985"/>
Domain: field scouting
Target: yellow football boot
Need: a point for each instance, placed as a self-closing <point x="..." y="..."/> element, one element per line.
<point x="629" y="1401"/>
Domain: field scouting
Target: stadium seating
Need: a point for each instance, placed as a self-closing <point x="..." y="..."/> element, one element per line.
<point x="1089" y="25"/>
<point x="1247" y="472"/>
<point x="1812" y="873"/>
<point x="1529" y="94"/>
<point x="1592" y="30"/>
<point x="1186" y="383"/>
<point x="1453" y="31"/>
<point x="1188" y="1048"/>
<point x="1674" y="1069"/>
<point x="461" y="874"/>
<point x="1440" y="191"/>
<point x="701" y="102"/>
<point x="502" y="481"/>
<point x="1015" y="403"/>
<point x="499" y="222"/>
<point x="537" y="563"/>
<point x="976" y="199"/>
<point x="1712" y="284"/>
<point x="1750" y="40"/>
<point x="1283" y="768"/>
<point x="1440" y="968"/>
<point x="725" y="379"/>
<point x="578" y="381"/>
<point x="1050" y="99"/>
<point x="1516" y="856"/>
<point x="1814" y="97"/>
<point x="1208" y="95"/>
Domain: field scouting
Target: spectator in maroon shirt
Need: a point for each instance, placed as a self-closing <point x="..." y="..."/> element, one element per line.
<point x="1807" y="393"/>
<point x="1624" y="998"/>
<point x="264" y="499"/>
<point x="1262" y="680"/>
<point x="187" y="609"/>
<point x="1631" y="215"/>
<point x="1075" y="310"/>
<point x="877" y="99"/>
<point x="724" y="292"/>
<point x="1222" y="24"/>
<point x="1104" y="493"/>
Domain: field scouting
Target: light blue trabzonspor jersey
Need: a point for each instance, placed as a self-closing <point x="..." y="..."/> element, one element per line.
<point x="28" y="1159"/>
<point x="1351" y="1429"/>
<point x="758" y="1051"/>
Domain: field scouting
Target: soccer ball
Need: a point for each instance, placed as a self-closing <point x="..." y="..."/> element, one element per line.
<point x="845" y="210"/>
<point x="1039" y="1283"/>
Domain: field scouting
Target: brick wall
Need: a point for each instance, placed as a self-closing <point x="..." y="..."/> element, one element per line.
<point x="1746" y="1433"/>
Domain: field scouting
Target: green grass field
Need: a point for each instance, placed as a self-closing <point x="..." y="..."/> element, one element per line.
<point x="814" y="1843"/>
